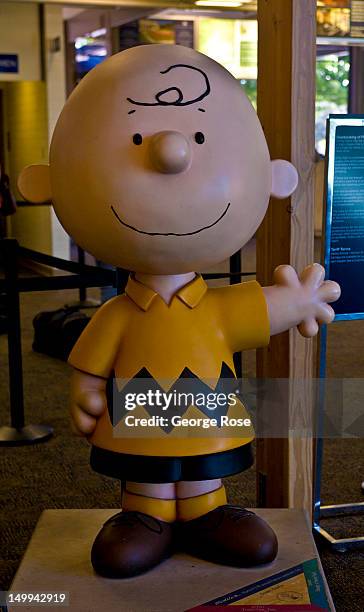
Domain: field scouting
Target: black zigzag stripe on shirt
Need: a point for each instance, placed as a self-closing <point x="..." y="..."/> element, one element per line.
<point x="187" y="383"/>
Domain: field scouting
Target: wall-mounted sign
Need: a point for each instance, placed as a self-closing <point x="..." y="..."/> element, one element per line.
<point x="231" y="42"/>
<point x="9" y="63"/>
<point x="149" y="31"/>
<point x="344" y="212"/>
<point x="333" y="21"/>
<point x="340" y="18"/>
<point x="357" y="19"/>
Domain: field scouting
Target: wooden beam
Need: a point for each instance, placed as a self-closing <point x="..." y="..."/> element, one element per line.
<point x="356" y="84"/>
<point x="302" y="242"/>
<point x="286" y="94"/>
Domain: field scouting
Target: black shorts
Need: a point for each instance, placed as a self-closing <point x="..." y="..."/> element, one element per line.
<point x="142" y="468"/>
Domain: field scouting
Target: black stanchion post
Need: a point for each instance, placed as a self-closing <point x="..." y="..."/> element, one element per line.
<point x="17" y="433"/>
<point x="83" y="301"/>
<point x="14" y="334"/>
<point x="81" y="261"/>
<point x="121" y="279"/>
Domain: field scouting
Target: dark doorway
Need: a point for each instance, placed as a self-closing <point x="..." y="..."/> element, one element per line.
<point x="2" y="158"/>
<point x="2" y="133"/>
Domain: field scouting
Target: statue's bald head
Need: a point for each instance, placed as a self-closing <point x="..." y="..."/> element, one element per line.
<point x="159" y="163"/>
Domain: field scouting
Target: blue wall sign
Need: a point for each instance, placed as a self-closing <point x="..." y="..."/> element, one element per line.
<point x="344" y="214"/>
<point x="9" y="63"/>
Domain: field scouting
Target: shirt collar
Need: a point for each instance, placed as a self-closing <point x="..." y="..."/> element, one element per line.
<point x="191" y="294"/>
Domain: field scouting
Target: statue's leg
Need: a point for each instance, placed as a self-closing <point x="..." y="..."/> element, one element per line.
<point x="141" y="536"/>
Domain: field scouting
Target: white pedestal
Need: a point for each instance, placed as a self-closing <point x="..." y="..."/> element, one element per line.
<point x="58" y="560"/>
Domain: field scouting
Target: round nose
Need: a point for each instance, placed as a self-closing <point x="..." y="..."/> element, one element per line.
<point x="170" y="152"/>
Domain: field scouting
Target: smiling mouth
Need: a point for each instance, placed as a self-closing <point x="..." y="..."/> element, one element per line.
<point x="201" y="229"/>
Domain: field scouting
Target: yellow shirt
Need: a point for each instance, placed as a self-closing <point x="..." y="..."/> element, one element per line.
<point x="200" y="330"/>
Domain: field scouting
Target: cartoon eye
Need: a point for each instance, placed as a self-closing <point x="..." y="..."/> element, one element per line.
<point x="137" y="139"/>
<point x="199" y="137"/>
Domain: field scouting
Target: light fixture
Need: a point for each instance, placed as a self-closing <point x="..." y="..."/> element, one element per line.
<point x="98" y="33"/>
<point x="221" y="3"/>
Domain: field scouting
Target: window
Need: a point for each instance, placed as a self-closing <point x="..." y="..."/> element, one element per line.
<point x="332" y="88"/>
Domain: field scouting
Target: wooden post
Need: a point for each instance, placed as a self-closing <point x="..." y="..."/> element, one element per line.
<point x="286" y="95"/>
<point x="356" y="85"/>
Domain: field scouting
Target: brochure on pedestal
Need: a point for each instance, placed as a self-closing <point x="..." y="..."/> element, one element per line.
<point x="298" y="588"/>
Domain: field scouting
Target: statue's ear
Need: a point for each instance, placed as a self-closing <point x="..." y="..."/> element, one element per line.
<point x="284" y="178"/>
<point x="34" y="183"/>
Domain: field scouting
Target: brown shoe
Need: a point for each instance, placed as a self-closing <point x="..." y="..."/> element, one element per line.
<point x="229" y="535"/>
<point x="129" y="544"/>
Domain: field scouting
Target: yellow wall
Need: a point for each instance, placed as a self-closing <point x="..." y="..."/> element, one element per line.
<point x="25" y="115"/>
<point x="31" y="227"/>
<point x="26" y="123"/>
<point x="31" y="108"/>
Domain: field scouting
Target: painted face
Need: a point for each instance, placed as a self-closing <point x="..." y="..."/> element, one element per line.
<point x="158" y="162"/>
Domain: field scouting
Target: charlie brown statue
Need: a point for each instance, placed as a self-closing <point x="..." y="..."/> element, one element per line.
<point x="158" y="164"/>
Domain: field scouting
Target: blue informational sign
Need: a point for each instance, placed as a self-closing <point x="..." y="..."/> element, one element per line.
<point x="9" y="63"/>
<point x="292" y="588"/>
<point x="344" y="214"/>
